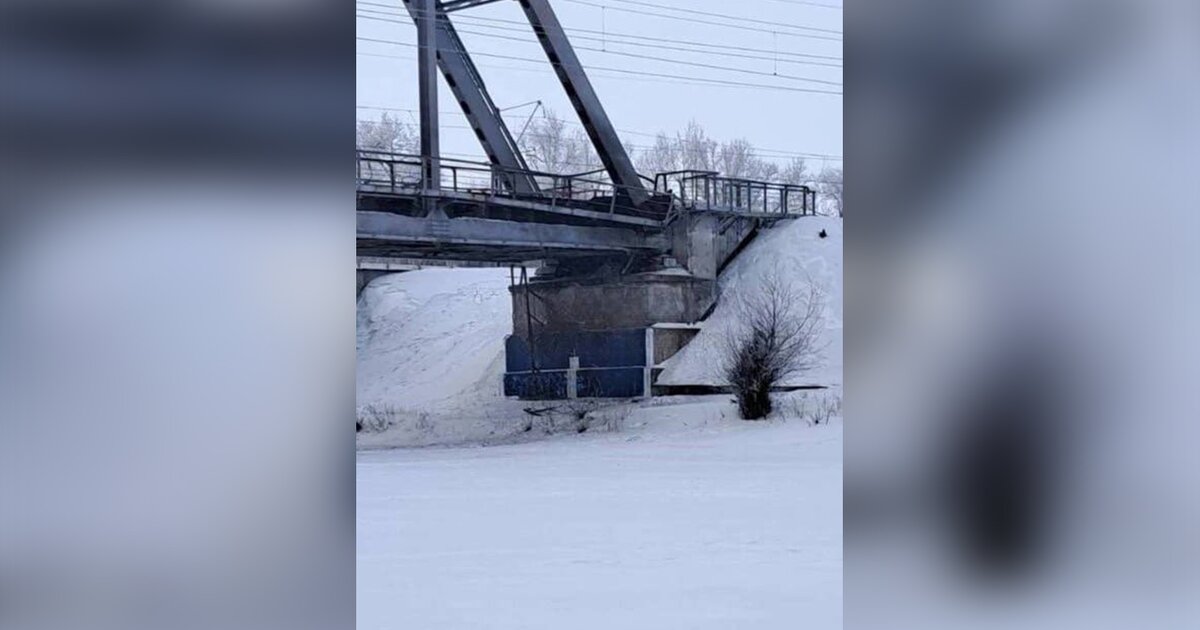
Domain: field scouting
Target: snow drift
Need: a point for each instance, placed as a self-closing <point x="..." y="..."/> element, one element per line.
<point x="433" y="338"/>
<point x="796" y="249"/>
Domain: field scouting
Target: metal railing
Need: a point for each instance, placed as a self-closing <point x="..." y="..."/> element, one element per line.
<point x="708" y="190"/>
<point x="689" y="190"/>
<point x="400" y="174"/>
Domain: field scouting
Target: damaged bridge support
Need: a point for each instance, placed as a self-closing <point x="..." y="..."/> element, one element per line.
<point x="603" y="334"/>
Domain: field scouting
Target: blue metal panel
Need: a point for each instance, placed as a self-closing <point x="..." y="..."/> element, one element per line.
<point x="536" y="386"/>
<point x="595" y="349"/>
<point x="612" y="364"/>
<point x="613" y="383"/>
<point x="596" y="383"/>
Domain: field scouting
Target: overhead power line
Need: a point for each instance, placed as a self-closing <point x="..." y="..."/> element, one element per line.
<point x="700" y="21"/>
<point x="806" y="3"/>
<point x="483" y="21"/>
<point x="544" y="69"/>
<point x="639" y="56"/>
<point x="706" y="80"/>
<point x="717" y="50"/>
<point x="726" y="16"/>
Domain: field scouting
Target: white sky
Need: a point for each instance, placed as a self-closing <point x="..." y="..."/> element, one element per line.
<point x="777" y="122"/>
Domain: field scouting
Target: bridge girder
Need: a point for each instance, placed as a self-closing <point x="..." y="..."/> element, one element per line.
<point x="570" y="73"/>
<point x="472" y="95"/>
<point x="450" y="6"/>
<point x="392" y="235"/>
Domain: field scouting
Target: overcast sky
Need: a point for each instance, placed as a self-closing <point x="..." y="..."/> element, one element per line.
<point x="781" y="122"/>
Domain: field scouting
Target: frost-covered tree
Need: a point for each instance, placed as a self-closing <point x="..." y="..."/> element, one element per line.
<point x="737" y="158"/>
<point x="796" y="172"/>
<point x="697" y="151"/>
<point x="693" y="149"/>
<point x="550" y="146"/>
<point x="660" y="157"/>
<point x="829" y="184"/>
<point x="387" y="134"/>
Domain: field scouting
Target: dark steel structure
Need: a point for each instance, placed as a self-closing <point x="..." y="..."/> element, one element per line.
<point x="583" y="98"/>
<point x="425" y="206"/>
<point x="586" y="327"/>
<point x="468" y="88"/>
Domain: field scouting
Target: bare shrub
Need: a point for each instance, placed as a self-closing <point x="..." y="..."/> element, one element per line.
<point x="376" y="418"/>
<point x="576" y="414"/>
<point x="577" y="409"/>
<point x="790" y="407"/>
<point x="774" y="336"/>
<point x="421" y="422"/>
<point x="814" y="411"/>
<point x="823" y="410"/>
<point x="579" y="415"/>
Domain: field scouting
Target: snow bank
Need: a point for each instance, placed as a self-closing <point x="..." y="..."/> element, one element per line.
<point x="433" y="339"/>
<point x="797" y="251"/>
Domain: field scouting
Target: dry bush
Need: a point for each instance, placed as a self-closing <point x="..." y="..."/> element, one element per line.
<point x="376" y="418"/>
<point x="814" y="410"/>
<point x="775" y="336"/>
<point x="823" y="410"/>
<point x="580" y="415"/>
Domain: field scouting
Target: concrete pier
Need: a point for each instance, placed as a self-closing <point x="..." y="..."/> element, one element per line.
<point x="620" y="302"/>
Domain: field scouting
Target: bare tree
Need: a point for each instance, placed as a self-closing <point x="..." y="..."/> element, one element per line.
<point x="697" y="151"/>
<point x="550" y="147"/>
<point x="693" y="149"/>
<point x="830" y="185"/>
<point x="661" y="157"/>
<point x="796" y="172"/>
<point x="386" y="134"/>
<point x="774" y="336"/>
<point x="737" y="158"/>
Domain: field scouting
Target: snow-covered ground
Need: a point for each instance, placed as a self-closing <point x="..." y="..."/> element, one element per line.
<point x="674" y="515"/>
<point x="687" y="518"/>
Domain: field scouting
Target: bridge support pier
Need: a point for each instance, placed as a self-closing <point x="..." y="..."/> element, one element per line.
<point x="593" y="337"/>
<point x="703" y="242"/>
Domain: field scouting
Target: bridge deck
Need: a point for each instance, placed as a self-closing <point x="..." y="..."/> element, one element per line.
<point x="387" y="235"/>
<point x="478" y="213"/>
<point x="379" y="198"/>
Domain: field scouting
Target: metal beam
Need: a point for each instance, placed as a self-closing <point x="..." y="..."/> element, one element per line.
<point x="506" y="204"/>
<point x="427" y="88"/>
<point x="583" y="98"/>
<point x="469" y="90"/>
<point x="495" y="236"/>
<point x="449" y="6"/>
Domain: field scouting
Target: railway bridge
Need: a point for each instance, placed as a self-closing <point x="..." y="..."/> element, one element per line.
<point x="618" y="253"/>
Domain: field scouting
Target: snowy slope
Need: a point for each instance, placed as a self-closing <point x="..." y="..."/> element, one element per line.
<point x="799" y="253"/>
<point x="433" y="338"/>
<point x="688" y="519"/>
